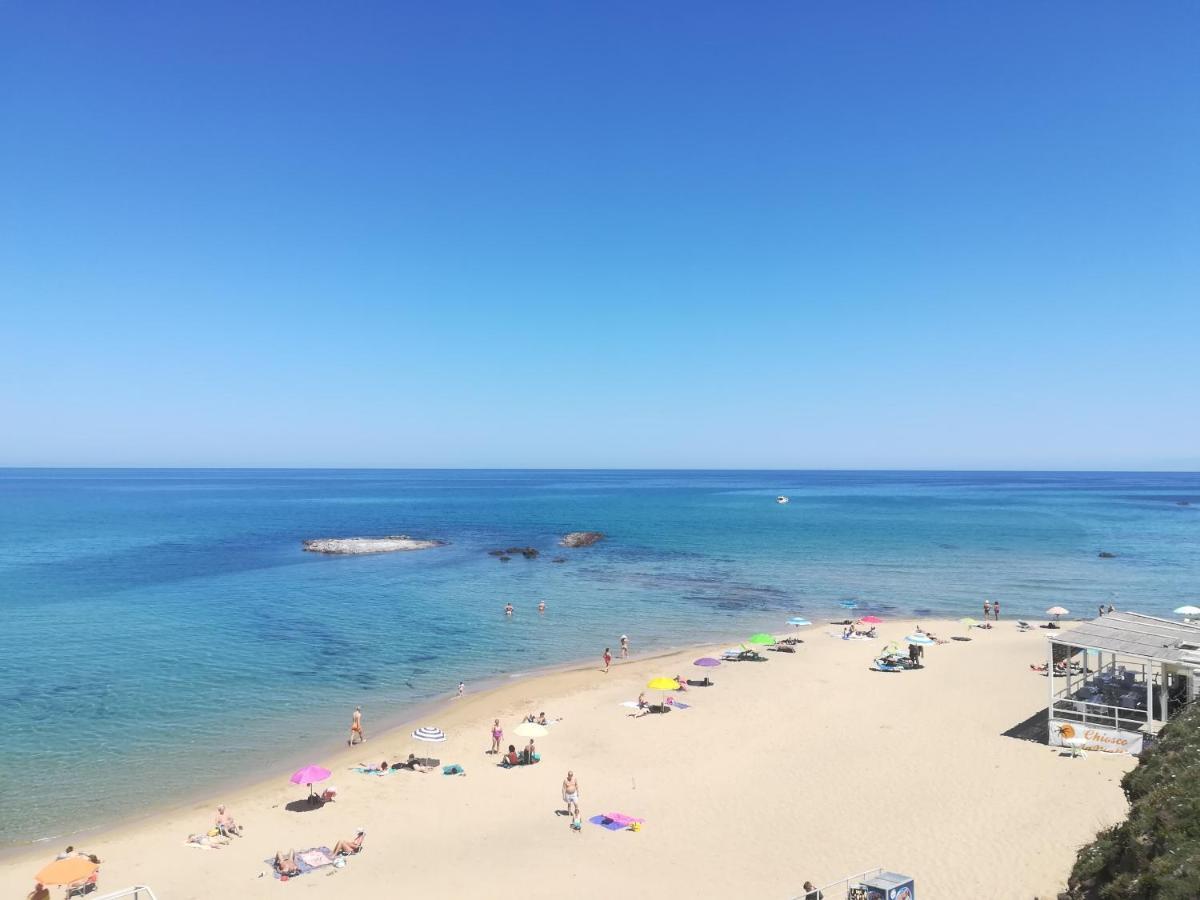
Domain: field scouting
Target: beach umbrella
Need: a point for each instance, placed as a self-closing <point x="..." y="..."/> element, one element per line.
<point x="763" y="640"/>
<point x="664" y="685"/>
<point x="798" y="621"/>
<point x="66" y="871"/>
<point x="1057" y="611"/>
<point x="919" y="639"/>
<point x="707" y="662"/>
<point x="871" y="620"/>
<point x="1188" y="611"/>
<point x="310" y="774"/>
<point x="531" y="730"/>
<point x="429" y="734"/>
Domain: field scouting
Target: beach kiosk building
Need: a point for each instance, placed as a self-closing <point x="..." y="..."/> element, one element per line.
<point x="1119" y="679"/>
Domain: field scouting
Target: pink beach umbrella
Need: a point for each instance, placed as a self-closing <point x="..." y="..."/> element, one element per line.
<point x="871" y="620"/>
<point x="310" y="774"/>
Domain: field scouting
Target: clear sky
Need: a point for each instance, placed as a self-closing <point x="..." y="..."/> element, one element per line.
<point x="600" y="234"/>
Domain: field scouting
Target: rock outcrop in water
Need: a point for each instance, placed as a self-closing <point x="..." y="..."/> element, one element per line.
<point x="352" y="546"/>
<point x="581" y="538"/>
<point x="527" y="552"/>
<point x="1104" y="554"/>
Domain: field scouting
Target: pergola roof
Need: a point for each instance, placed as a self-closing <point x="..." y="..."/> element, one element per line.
<point x="1135" y="634"/>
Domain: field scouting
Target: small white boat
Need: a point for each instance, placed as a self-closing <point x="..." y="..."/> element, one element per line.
<point x="783" y="499"/>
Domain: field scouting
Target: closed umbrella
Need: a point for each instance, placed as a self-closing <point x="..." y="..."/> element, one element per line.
<point x="309" y="775"/>
<point x="664" y="685"/>
<point x="66" y="871"/>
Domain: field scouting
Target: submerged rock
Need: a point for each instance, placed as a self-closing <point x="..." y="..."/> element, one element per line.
<point x="352" y="546"/>
<point x="581" y="538"/>
<point x="1104" y="554"/>
<point x="559" y="559"/>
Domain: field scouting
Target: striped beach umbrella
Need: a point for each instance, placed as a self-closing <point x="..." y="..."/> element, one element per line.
<point x="429" y="734"/>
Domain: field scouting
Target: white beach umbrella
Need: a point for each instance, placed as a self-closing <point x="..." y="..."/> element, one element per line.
<point x="1057" y="611"/>
<point x="1188" y="611"/>
<point x="430" y="734"/>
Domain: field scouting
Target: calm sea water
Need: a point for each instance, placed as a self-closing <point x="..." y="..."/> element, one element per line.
<point x="164" y="632"/>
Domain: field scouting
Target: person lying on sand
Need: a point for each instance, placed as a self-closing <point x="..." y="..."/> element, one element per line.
<point x="349" y="848"/>
<point x="682" y="682"/>
<point x="412" y="763"/>
<point x="642" y="704"/>
<point x="225" y="823"/>
<point x="541" y="719"/>
<point x="205" y="840"/>
<point x="286" y="865"/>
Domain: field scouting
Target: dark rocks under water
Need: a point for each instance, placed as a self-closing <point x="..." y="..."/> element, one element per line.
<point x="1104" y="554"/>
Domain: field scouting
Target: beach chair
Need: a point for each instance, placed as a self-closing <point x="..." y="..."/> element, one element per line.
<point x="1024" y="626"/>
<point x="83" y="888"/>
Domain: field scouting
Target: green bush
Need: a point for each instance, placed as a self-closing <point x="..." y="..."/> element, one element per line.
<point x="1155" y="853"/>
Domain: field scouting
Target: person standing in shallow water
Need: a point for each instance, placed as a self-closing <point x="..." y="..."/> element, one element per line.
<point x="995" y="610"/>
<point x="607" y="658"/>
<point x="624" y="646"/>
<point x="987" y="610"/>
<point x="356" y="727"/>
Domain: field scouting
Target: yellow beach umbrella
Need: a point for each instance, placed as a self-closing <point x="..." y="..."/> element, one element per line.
<point x="66" y="871"/>
<point x="663" y="684"/>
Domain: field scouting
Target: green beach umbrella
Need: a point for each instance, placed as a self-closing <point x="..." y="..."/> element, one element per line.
<point x="763" y="640"/>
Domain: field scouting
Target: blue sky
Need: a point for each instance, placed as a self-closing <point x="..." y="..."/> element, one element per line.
<point x="600" y="234"/>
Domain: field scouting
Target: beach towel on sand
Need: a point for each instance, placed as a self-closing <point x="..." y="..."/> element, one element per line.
<point x="615" y="821"/>
<point x="307" y="860"/>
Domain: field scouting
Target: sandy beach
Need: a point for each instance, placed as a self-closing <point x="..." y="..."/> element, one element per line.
<point x="808" y="766"/>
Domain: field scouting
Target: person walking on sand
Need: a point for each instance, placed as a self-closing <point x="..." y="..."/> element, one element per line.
<point x="624" y="646"/>
<point x="995" y="610"/>
<point x="497" y="736"/>
<point x="570" y="794"/>
<point x="607" y="659"/>
<point x="356" y="727"/>
<point x="462" y="689"/>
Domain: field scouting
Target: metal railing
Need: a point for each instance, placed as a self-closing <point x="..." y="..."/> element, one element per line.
<point x="137" y="892"/>
<point x="840" y="889"/>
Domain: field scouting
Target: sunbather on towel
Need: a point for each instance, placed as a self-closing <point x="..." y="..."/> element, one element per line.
<point x="511" y="757"/>
<point x="349" y="848"/>
<point x="286" y="865"/>
<point x="413" y="763"/>
<point x="682" y="682"/>
<point x="205" y="840"/>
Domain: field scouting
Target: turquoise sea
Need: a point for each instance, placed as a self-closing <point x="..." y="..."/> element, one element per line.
<point x="164" y="633"/>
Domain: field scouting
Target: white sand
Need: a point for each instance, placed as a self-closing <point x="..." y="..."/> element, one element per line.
<point x="807" y="766"/>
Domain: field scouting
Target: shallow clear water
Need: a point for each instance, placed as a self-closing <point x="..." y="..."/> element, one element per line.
<point x="164" y="632"/>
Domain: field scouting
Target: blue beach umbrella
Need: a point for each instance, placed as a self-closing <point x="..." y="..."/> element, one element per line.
<point x="919" y="639"/>
<point x="798" y="621"/>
